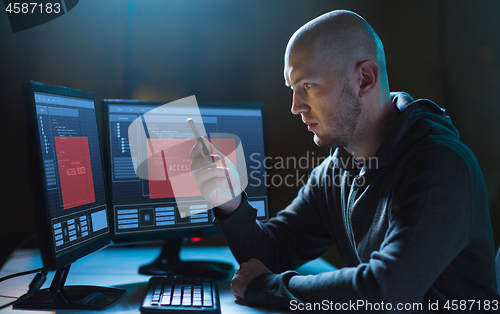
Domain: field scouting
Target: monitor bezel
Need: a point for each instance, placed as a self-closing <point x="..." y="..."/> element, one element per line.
<point x="202" y="231"/>
<point x="51" y="260"/>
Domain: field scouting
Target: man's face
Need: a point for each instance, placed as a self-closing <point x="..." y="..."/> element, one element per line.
<point x="325" y="101"/>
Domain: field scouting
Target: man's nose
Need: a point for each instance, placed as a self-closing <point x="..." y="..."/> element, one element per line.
<point x="298" y="104"/>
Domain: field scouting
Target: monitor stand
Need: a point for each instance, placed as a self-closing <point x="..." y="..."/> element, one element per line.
<point x="70" y="297"/>
<point x="168" y="263"/>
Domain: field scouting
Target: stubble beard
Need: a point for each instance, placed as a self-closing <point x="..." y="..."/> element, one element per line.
<point x="343" y="122"/>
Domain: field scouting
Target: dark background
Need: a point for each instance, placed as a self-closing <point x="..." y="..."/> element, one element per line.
<point x="232" y="51"/>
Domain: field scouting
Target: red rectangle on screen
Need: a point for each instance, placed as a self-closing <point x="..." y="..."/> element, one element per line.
<point x="171" y="157"/>
<point x="75" y="171"/>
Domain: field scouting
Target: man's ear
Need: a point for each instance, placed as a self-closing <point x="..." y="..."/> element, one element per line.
<point x="367" y="77"/>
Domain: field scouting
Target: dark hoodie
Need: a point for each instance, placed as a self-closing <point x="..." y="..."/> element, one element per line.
<point x="412" y="225"/>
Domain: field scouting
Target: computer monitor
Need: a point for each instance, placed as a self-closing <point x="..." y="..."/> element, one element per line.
<point x="69" y="191"/>
<point x="146" y="210"/>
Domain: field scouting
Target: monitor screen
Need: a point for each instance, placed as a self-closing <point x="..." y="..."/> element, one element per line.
<point x="69" y="184"/>
<point x="145" y="209"/>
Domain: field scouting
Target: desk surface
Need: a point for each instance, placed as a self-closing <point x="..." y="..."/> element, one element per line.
<point x="117" y="267"/>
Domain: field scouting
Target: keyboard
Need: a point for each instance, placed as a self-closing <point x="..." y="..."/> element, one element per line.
<point x="181" y="295"/>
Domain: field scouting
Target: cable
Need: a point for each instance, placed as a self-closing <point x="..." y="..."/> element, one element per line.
<point x="21" y="274"/>
<point x="34" y="286"/>
<point x="7" y="305"/>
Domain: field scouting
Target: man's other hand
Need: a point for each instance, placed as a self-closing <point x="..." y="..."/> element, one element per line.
<point x="243" y="276"/>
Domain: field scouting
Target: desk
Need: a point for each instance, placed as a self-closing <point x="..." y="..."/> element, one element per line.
<point x="117" y="267"/>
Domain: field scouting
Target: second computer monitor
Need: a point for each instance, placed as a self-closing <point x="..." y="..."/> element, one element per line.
<point x="145" y="210"/>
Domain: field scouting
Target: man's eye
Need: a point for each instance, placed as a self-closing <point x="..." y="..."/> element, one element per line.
<point x="307" y="85"/>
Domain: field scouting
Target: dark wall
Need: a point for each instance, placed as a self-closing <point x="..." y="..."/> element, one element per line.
<point x="232" y="51"/>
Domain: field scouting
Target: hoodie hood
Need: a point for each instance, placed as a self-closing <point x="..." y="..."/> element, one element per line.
<point x="417" y="119"/>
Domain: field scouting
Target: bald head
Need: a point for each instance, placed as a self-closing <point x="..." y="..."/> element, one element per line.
<point x="339" y="40"/>
<point x="335" y="65"/>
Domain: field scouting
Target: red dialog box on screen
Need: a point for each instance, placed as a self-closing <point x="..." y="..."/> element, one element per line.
<point x="169" y="171"/>
<point x="75" y="171"/>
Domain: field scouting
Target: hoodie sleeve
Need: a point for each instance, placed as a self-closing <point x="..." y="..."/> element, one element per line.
<point x="431" y="217"/>
<point x="296" y="235"/>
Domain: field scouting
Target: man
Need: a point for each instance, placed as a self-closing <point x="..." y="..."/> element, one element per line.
<point x="400" y="196"/>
